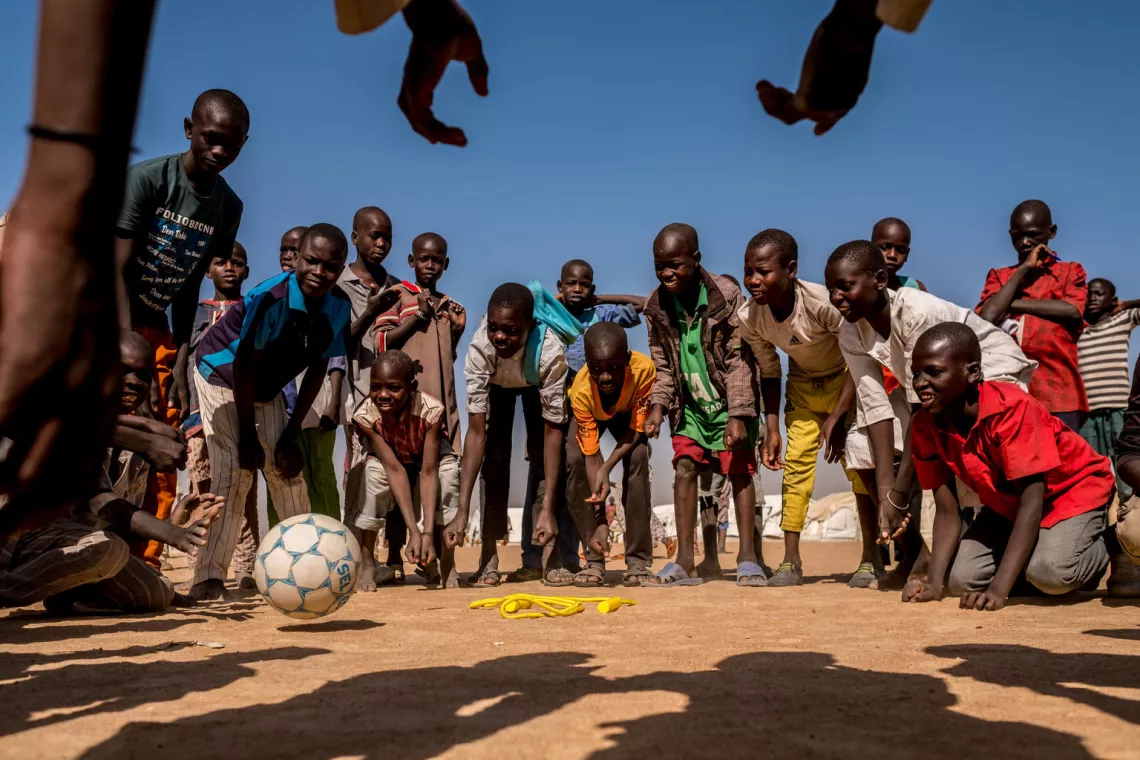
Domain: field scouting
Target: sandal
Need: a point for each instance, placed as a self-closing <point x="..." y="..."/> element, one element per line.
<point x="558" y="577"/>
<point x="592" y="576"/>
<point x="524" y="575"/>
<point x="489" y="579"/>
<point x="669" y="576"/>
<point x="634" y="576"/>
<point x="751" y="574"/>
<point x="386" y="575"/>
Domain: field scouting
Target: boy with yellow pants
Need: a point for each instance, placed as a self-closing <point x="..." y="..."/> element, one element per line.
<point x="797" y="317"/>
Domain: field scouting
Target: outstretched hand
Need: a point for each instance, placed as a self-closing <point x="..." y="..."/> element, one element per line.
<point x="441" y="32"/>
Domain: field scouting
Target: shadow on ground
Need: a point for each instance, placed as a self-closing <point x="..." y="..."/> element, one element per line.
<point x="787" y="704"/>
<point x="1056" y="675"/>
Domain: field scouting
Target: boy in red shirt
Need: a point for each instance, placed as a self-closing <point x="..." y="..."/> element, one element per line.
<point x="1042" y="300"/>
<point x="1046" y="491"/>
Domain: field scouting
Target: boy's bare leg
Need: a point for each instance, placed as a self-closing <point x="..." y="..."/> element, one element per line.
<point x="448" y="577"/>
<point x="792" y="548"/>
<point x="744" y="497"/>
<point x="685" y="510"/>
<point x="367" y="579"/>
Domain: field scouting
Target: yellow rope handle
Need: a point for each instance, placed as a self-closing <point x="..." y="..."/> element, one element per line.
<point x="522" y="606"/>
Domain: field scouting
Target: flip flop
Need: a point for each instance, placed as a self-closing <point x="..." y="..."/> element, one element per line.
<point x="671" y="575"/>
<point x="489" y="579"/>
<point x="750" y="574"/>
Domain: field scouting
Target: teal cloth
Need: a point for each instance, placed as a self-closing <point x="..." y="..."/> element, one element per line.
<point x="550" y="314"/>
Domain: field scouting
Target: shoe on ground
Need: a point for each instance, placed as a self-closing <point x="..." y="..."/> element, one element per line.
<point x="787" y="574"/>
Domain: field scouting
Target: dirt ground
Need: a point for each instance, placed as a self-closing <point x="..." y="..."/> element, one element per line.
<point x="713" y="671"/>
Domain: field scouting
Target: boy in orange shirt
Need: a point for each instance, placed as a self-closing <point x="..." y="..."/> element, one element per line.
<point x="610" y="393"/>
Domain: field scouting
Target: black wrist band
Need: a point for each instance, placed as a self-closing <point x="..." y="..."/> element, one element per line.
<point x="84" y="139"/>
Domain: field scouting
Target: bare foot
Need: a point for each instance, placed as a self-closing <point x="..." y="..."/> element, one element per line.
<point x="367" y="579"/>
<point x="709" y="567"/>
<point x="211" y="590"/>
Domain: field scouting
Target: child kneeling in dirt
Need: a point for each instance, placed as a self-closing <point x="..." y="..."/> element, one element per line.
<point x="404" y="428"/>
<point x="1046" y="491"/>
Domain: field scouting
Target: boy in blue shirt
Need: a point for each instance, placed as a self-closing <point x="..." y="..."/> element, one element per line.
<point x="293" y="322"/>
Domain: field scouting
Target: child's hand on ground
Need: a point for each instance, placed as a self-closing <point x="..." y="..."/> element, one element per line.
<point x="735" y="434"/>
<point x="427" y="549"/>
<point x="653" y="421"/>
<point x="833" y="439"/>
<point x="770" y="450"/>
<point x="545" y="528"/>
<point x="455" y="531"/>
<point x="987" y="600"/>
<point x="441" y="32"/>
<point x="287" y="457"/>
<point x="918" y="590"/>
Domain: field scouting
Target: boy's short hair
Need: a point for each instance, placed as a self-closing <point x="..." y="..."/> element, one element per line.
<point x="891" y="221"/>
<point x="605" y="334"/>
<point x="430" y="237"/>
<point x="238" y="250"/>
<point x="513" y="295"/>
<point x="329" y="232"/>
<point x="961" y="340"/>
<point x="578" y="263"/>
<point x="396" y="360"/>
<point x="686" y="232"/>
<point x="128" y="339"/>
<point x="863" y="254"/>
<point x="364" y="211"/>
<point x="223" y="101"/>
<point x="1109" y="284"/>
<point x="785" y="244"/>
<point x="1032" y="208"/>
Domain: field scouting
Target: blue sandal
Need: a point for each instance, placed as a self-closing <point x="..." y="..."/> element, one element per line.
<point x="750" y="574"/>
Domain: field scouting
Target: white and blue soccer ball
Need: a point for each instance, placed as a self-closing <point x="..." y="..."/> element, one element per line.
<point x="307" y="566"/>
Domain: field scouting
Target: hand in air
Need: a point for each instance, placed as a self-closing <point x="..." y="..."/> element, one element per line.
<point x="545" y="528"/>
<point x="652" y="426"/>
<point x="832" y="439"/>
<point x="441" y="32"/>
<point x="770" y="450"/>
<point x="893" y="522"/>
<point x="455" y="532"/>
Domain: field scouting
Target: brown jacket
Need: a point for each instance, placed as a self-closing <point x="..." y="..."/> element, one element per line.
<point x="728" y="368"/>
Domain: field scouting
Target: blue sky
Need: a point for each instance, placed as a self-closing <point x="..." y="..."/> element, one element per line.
<point x="607" y="120"/>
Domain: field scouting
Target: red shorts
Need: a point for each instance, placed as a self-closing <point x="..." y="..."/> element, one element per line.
<point x="734" y="462"/>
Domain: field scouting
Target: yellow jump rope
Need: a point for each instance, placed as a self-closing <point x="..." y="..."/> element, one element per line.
<point x="527" y="606"/>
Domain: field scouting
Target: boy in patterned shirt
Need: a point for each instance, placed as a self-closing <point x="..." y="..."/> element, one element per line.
<point x="1102" y="355"/>
<point x="403" y="428"/>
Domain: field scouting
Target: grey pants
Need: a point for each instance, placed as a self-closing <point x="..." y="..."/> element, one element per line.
<point x="1066" y="556"/>
<point x="634" y="492"/>
<point x="68" y="561"/>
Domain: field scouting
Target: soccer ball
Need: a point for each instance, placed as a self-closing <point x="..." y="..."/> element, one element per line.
<point x="306" y="566"/>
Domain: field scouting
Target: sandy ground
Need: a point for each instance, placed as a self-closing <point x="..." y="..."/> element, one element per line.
<point x="714" y="671"/>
